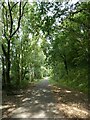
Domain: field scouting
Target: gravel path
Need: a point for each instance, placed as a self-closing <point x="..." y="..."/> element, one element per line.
<point x="36" y="103"/>
<point x="46" y="101"/>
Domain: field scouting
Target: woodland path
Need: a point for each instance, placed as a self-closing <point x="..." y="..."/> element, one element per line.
<point x="45" y="101"/>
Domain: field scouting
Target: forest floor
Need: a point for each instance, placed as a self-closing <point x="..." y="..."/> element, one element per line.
<point x="44" y="100"/>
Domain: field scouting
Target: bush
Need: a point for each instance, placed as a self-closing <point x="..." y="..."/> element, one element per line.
<point x="76" y="79"/>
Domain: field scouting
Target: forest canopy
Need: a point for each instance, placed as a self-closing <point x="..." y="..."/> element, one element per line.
<point x="41" y="39"/>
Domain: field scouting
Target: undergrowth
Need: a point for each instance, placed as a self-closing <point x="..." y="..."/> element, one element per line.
<point x="77" y="79"/>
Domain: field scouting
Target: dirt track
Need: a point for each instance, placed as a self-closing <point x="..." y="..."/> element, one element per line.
<point x="45" y="101"/>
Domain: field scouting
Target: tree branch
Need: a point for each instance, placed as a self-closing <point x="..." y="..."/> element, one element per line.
<point x="11" y="20"/>
<point x="4" y="51"/>
<point x="7" y="20"/>
<point x="21" y="12"/>
<point x="3" y="21"/>
<point x="79" y="22"/>
<point x="76" y="12"/>
<point x="3" y="5"/>
<point x="5" y="33"/>
<point x="14" y="5"/>
<point x="23" y="8"/>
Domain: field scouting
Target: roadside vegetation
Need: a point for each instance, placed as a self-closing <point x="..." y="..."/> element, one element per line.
<point x="45" y="39"/>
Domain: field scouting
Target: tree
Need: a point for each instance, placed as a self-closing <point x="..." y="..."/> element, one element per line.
<point x="69" y="46"/>
<point x="9" y="31"/>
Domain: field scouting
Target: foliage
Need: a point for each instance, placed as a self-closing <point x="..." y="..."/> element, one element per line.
<point x="52" y="39"/>
<point x="71" y="44"/>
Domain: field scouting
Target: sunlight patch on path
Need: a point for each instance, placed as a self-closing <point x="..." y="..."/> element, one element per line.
<point x="20" y="115"/>
<point x="26" y="99"/>
<point x="26" y="113"/>
<point x="40" y="114"/>
<point x="40" y="102"/>
<point x="72" y="110"/>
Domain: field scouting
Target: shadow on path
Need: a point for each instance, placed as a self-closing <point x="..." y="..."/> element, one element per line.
<point x="46" y="101"/>
<point x="38" y="102"/>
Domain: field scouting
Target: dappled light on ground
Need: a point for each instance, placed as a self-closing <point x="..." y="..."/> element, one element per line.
<point x="36" y="103"/>
<point x="40" y="114"/>
<point x="73" y="104"/>
<point x="45" y="101"/>
<point x="73" y="110"/>
<point x="4" y="106"/>
<point x="67" y="91"/>
<point x="26" y="99"/>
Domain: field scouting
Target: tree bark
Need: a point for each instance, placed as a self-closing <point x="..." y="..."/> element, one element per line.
<point x="65" y="63"/>
<point x="3" y="72"/>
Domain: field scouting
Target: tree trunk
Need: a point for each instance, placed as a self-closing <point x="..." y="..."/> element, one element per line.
<point x="8" y="66"/>
<point x="3" y="72"/>
<point x="18" y="68"/>
<point x="6" y="73"/>
<point x="65" y="64"/>
<point x="8" y="22"/>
